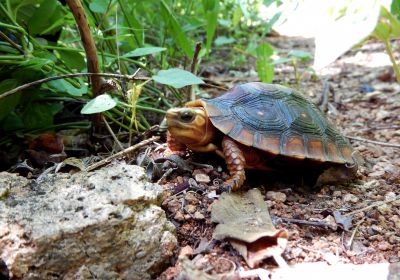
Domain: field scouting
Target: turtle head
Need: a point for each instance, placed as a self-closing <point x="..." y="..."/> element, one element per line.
<point x="190" y="126"/>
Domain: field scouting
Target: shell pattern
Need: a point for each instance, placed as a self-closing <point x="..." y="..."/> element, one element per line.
<point x="280" y="121"/>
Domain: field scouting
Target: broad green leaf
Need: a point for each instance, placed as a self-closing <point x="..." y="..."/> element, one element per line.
<point x="222" y="40"/>
<point x="99" y="6"/>
<point x="12" y="122"/>
<point x="395" y="8"/>
<point x="99" y="104"/>
<point x="282" y="60"/>
<point x="63" y="86"/>
<point x="74" y="60"/>
<point x="264" y="65"/>
<point x="302" y="55"/>
<point x="39" y="115"/>
<point x="338" y="35"/>
<point x="46" y="18"/>
<point x="177" y="78"/>
<point x="8" y="104"/>
<point x="176" y="30"/>
<point x="144" y="51"/>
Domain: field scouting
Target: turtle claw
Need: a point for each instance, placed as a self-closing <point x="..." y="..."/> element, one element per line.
<point x="229" y="186"/>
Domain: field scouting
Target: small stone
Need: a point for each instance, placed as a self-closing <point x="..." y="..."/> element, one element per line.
<point x="202" y="178"/>
<point x="337" y="193"/>
<point x="179" y="216"/>
<point x="370" y="184"/>
<point x="191" y="198"/>
<point x="190" y="208"/>
<point x="276" y="196"/>
<point x="330" y="220"/>
<point x="391" y="196"/>
<point x="376" y="174"/>
<point x="384" y="246"/>
<point x="349" y="197"/>
<point x="383" y="209"/>
<point x="198" y="216"/>
<point x="186" y="251"/>
<point x="173" y="205"/>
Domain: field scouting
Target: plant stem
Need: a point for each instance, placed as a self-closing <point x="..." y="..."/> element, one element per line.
<point x="392" y="59"/>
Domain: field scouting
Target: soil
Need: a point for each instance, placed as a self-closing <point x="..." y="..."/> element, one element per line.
<point x="363" y="100"/>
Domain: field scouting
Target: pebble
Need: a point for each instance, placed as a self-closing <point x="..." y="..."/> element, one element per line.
<point x="337" y="193"/>
<point x="392" y="195"/>
<point x="276" y="196"/>
<point x="191" y="198"/>
<point x="384" y="246"/>
<point x="349" y="197"/>
<point x="190" y="208"/>
<point x="202" y="178"/>
<point x="186" y="251"/>
<point x="198" y="216"/>
<point x="179" y="216"/>
<point x="173" y="205"/>
<point x="383" y="209"/>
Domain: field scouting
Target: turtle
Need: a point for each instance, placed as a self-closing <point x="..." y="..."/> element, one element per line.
<point x="261" y="126"/>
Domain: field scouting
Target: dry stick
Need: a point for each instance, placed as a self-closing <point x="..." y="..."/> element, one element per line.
<point x="376" y="204"/>
<point x="11" y="42"/>
<point x="90" y="50"/>
<point x="374" y="142"/>
<point x="112" y="133"/>
<point x="122" y="153"/>
<point x="353" y="234"/>
<point x="48" y="79"/>
<point x="195" y="60"/>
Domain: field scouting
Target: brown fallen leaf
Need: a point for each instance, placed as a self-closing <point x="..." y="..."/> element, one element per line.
<point x="243" y="219"/>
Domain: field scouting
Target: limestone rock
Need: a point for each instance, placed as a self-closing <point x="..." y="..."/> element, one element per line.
<point x="105" y="224"/>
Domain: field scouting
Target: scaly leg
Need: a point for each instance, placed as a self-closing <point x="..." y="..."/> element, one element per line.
<point x="235" y="162"/>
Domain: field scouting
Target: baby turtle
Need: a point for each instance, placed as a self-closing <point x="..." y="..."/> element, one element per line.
<point x="261" y="126"/>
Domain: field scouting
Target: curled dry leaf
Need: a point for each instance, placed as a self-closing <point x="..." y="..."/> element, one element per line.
<point x="245" y="222"/>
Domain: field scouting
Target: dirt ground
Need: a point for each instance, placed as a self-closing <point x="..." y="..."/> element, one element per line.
<point x="363" y="102"/>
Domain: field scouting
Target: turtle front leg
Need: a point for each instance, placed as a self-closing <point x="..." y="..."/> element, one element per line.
<point x="235" y="162"/>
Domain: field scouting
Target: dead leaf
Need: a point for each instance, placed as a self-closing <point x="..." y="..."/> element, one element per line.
<point x="245" y="222"/>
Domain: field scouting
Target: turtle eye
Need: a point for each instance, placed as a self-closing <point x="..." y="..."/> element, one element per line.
<point x="187" y="116"/>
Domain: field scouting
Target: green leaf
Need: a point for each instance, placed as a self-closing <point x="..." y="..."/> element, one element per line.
<point x="222" y="40"/>
<point x="264" y="65"/>
<point x="302" y="55"/>
<point x="395" y="8"/>
<point x="74" y="60"/>
<point x="211" y="8"/>
<point x="99" y="104"/>
<point x="8" y="104"/>
<point x="46" y="18"/>
<point x="39" y="115"/>
<point x="144" y="51"/>
<point x="282" y="60"/>
<point x="63" y="86"/>
<point x="176" y="30"/>
<point x="387" y="27"/>
<point x="99" y="6"/>
<point x="177" y="78"/>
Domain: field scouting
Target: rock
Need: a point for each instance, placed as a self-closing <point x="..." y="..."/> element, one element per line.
<point x="198" y="216"/>
<point x="349" y="197"/>
<point x="202" y="178"/>
<point x="276" y="196"/>
<point x="190" y="208"/>
<point x="191" y="198"/>
<point x="104" y="224"/>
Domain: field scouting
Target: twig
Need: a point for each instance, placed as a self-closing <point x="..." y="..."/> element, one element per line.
<point x="353" y="234"/>
<point x="324" y="99"/>
<point x="376" y="204"/>
<point x="190" y="93"/>
<point x="374" y="142"/>
<point x="48" y="79"/>
<point x="88" y="43"/>
<point x="112" y="133"/>
<point x="122" y="153"/>
<point x="322" y="224"/>
<point x="11" y="42"/>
